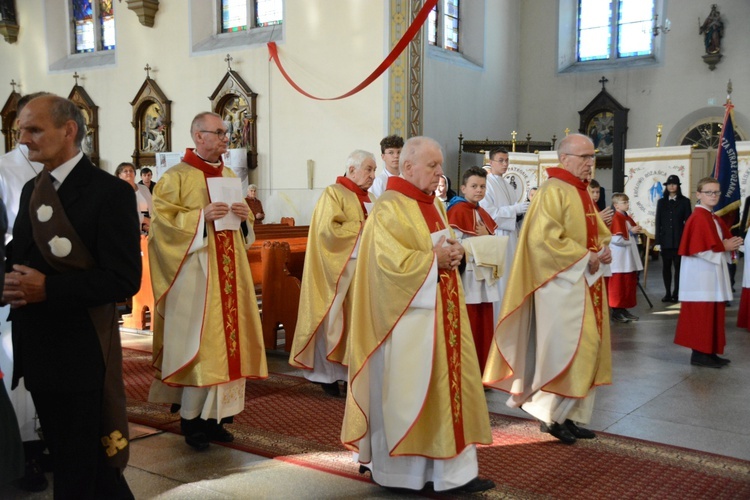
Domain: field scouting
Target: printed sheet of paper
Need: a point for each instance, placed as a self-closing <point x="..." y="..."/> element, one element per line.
<point x="227" y="190"/>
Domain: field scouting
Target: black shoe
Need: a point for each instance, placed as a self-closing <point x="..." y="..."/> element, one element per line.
<point x="722" y="361"/>
<point x="579" y="432"/>
<point x="667" y="298"/>
<point x="217" y="432"/>
<point x="619" y="317"/>
<point x="332" y="389"/>
<point x="476" y="485"/>
<point x="198" y="441"/>
<point x="630" y="316"/>
<point x="33" y="478"/>
<point x="701" y="359"/>
<point x="559" y="431"/>
<point x="675" y="299"/>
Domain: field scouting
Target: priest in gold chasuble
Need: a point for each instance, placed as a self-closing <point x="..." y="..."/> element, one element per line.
<point x="207" y="330"/>
<point x="552" y="345"/>
<point x="416" y="407"/>
<point x="320" y="339"/>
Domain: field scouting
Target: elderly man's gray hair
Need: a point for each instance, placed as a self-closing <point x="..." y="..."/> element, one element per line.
<point x="412" y="145"/>
<point x="357" y="157"/>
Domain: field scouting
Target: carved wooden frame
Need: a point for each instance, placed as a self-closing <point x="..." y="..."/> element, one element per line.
<point x="230" y="92"/>
<point x="591" y="116"/>
<point x="90" y="143"/>
<point x="149" y="100"/>
<point x="8" y="114"/>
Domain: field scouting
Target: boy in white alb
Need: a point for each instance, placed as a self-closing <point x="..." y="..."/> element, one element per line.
<point x="626" y="262"/>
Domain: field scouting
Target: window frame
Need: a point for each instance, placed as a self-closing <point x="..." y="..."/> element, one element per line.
<point x="60" y="40"/>
<point x="567" y="60"/>
<point x="440" y="27"/>
<point x="98" y="29"/>
<point x="208" y="37"/>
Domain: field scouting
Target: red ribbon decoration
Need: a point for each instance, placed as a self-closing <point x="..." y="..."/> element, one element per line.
<point x="416" y="25"/>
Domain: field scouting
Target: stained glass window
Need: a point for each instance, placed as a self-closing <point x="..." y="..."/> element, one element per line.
<point x="83" y="15"/>
<point x="444" y="27"/>
<point x="624" y="24"/>
<point x="235" y="14"/>
<point x="107" y="16"/>
<point x="94" y="25"/>
<point x="268" y="12"/>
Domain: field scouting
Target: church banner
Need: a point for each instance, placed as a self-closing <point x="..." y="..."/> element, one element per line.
<point x="646" y="170"/>
<point x="523" y="173"/>
<point x="743" y="166"/>
<point x="546" y="159"/>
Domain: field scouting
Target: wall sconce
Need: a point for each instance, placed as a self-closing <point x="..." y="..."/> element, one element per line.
<point x="664" y="28"/>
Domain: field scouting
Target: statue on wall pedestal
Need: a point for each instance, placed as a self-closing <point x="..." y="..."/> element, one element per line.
<point x="712" y="30"/>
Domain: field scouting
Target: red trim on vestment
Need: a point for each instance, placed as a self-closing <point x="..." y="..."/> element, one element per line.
<point x="362" y="195"/>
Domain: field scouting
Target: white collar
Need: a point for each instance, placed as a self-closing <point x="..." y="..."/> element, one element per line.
<point x="60" y="173"/>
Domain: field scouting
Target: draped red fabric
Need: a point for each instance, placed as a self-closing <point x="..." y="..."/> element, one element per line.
<point x="410" y="33"/>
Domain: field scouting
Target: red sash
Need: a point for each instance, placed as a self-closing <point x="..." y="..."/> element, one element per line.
<point x="225" y="256"/>
<point x="362" y="195"/>
<point x="451" y="305"/>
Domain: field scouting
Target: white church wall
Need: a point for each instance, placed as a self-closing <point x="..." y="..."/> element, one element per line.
<point x="478" y="100"/>
<point x="328" y="48"/>
<point x="665" y="93"/>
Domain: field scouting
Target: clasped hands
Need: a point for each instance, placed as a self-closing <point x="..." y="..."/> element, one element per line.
<point x="732" y="244"/>
<point x="217" y="210"/>
<point x="449" y="253"/>
<point x="24" y="285"/>
<point x="595" y="259"/>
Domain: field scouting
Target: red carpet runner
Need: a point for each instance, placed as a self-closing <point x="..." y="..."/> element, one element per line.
<point x="289" y="419"/>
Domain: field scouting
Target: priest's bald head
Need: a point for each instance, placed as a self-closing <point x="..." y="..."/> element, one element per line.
<point x="210" y="136"/>
<point x="421" y="163"/>
<point x="576" y="154"/>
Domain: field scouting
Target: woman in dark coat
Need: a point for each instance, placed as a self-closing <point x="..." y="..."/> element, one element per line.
<point x="672" y="212"/>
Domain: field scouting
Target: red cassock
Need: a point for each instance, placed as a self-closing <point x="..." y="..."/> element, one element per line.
<point x="701" y="324"/>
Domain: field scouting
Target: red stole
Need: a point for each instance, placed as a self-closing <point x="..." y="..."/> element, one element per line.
<point x="592" y="233"/>
<point x="448" y="287"/>
<point x="619" y="225"/>
<point x="225" y="256"/>
<point x="461" y="216"/>
<point x="362" y="195"/>
<point x="700" y="233"/>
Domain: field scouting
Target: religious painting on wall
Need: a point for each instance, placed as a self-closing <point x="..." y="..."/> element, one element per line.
<point x="646" y="171"/>
<point x="90" y="111"/>
<point x="8" y="114"/>
<point x="235" y="102"/>
<point x="151" y="122"/>
<point x="601" y="130"/>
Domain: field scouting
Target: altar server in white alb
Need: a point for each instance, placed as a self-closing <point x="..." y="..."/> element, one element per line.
<point x="501" y="203"/>
<point x="320" y="339"/>
<point x="626" y="262"/>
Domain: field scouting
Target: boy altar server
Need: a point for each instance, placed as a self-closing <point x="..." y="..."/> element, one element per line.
<point x="626" y="262"/>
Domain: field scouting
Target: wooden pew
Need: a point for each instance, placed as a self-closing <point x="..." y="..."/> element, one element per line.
<point x="143" y="301"/>
<point x="276" y="261"/>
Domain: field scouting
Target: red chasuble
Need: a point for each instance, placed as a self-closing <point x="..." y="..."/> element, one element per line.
<point x="462" y="216"/>
<point x="362" y="195"/>
<point x="227" y="272"/>
<point x="448" y="286"/>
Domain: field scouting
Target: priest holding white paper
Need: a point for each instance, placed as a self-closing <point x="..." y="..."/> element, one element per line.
<point x="207" y="331"/>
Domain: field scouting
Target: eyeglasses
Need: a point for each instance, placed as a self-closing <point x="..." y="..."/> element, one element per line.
<point x="219" y="133"/>
<point x="712" y="193"/>
<point x="585" y="157"/>
<point x="501" y="160"/>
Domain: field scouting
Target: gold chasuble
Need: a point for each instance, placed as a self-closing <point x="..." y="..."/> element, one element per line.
<point x="334" y="232"/>
<point x="553" y="332"/>
<point x="210" y="333"/>
<point x="411" y="315"/>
